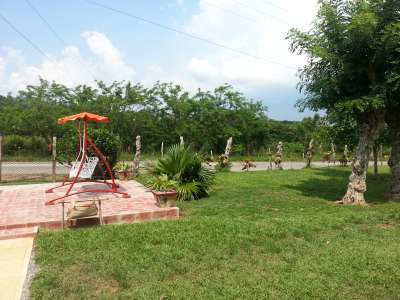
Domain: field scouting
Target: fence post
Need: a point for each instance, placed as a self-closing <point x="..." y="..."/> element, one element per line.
<point x="54" y="154"/>
<point x="1" y="152"/>
<point x="136" y="160"/>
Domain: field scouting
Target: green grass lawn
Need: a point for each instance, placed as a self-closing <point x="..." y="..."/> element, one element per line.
<point x="260" y="235"/>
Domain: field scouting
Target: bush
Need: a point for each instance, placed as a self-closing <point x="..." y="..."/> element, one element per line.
<point x="223" y="164"/>
<point x="13" y="145"/>
<point x="184" y="166"/>
<point x="29" y="146"/>
<point x="106" y="142"/>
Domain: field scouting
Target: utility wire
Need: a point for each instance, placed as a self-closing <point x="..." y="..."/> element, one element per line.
<point x="275" y="5"/>
<point x="188" y="34"/>
<point x="58" y="37"/>
<point x="262" y="12"/>
<point x="36" y="47"/>
<point x="230" y="11"/>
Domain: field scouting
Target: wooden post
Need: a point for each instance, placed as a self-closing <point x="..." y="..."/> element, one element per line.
<point x="136" y="161"/>
<point x="162" y="149"/>
<point x="269" y="158"/>
<point x="54" y="154"/>
<point x="228" y="147"/>
<point x="182" y="142"/>
<point x="1" y="152"/>
<point x="211" y="155"/>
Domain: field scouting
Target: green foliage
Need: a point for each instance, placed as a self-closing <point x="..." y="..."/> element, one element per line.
<point x="105" y="141"/>
<point x="108" y="144"/>
<point x="160" y="113"/>
<point x="16" y="145"/>
<point x="223" y="164"/>
<point x="350" y="59"/>
<point x="184" y="166"/>
<point x="161" y="183"/>
<point x="122" y="166"/>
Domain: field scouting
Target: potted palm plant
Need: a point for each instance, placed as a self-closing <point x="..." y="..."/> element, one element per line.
<point x="123" y="170"/>
<point x="164" y="190"/>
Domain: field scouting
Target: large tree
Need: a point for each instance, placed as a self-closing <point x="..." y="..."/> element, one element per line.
<point x="347" y="71"/>
<point x="392" y="44"/>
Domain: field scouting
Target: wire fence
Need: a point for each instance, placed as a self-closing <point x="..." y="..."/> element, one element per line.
<point x="33" y="159"/>
<point x="36" y="162"/>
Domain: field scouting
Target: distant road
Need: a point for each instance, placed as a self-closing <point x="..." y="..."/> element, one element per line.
<point x="12" y="168"/>
<point x="262" y="165"/>
<point x="27" y="168"/>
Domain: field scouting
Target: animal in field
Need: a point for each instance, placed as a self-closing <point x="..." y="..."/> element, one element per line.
<point x="247" y="164"/>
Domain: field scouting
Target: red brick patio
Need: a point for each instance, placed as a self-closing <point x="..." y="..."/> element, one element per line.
<point x="24" y="207"/>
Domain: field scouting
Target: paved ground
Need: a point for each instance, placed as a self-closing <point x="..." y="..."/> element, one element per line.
<point x="14" y="259"/>
<point x="24" y="206"/>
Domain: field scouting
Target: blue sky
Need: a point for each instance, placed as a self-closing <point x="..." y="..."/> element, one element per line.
<point x="109" y="46"/>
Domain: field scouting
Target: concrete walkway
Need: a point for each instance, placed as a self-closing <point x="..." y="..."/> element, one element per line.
<point x="14" y="259"/>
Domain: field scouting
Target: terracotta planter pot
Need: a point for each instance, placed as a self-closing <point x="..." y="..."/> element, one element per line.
<point x="123" y="175"/>
<point x="165" y="199"/>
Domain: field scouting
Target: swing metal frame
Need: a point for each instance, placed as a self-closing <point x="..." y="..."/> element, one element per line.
<point x="86" y="144"/>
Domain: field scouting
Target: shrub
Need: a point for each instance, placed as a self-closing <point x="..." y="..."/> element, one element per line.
<point x="106" y="142"/>
<point x="183" y="165"/>
<point x="161" y="184"/>
<point x="27" y="146"/>
<point x="13" y="144"/>
<point x="223" y="164"/>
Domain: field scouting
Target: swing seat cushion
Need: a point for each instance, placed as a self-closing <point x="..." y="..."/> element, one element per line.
<point x="82" y="211"/>
<point x="87" y="169"/>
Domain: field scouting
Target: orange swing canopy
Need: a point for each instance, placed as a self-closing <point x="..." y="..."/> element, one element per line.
<point x="85" y="116"/>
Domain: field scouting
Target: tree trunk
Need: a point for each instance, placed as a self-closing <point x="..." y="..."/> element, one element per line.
<point x="136" y="161"/>
<point x="394" y="160"/>
<point x="310" y="152"/>
<point x="369" y="132"/>
<point x="375" y="154"/>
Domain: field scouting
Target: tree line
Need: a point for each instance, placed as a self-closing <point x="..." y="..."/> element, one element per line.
<point x="159" y="114"/>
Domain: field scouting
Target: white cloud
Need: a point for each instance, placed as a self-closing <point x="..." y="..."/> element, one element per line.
<point x="2" y="68"/>
<point x="202" y="69"/>
<point x="260" y="32"/>
<point x="69" y="67"/>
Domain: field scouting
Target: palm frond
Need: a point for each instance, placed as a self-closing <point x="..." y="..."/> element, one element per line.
<point x="185" y="166"/>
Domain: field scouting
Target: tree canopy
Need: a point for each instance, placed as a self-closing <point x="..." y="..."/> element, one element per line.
<point x="352" y="71"/>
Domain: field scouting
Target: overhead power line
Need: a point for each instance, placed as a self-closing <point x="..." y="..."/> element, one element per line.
<point x="188" y="34"/>
<point x="58" y="37"/>
<point x="36" y="47"/>
<point x="259" y="11"/>
<point x="232" y="12"/>
<point x="275" y="5"/>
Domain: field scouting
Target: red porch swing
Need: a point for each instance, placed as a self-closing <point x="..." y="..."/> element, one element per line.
<point x="83" y="167"/>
